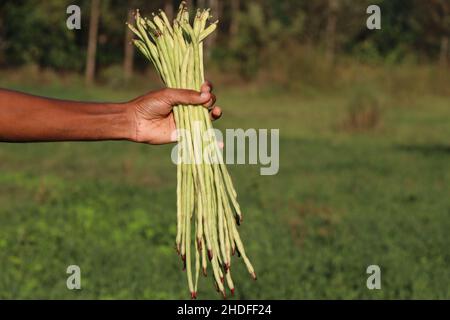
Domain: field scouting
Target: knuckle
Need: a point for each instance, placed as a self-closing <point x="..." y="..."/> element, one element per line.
<point x="165" y="92"/>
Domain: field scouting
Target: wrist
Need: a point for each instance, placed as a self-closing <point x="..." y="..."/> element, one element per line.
<point x="121" y="122"/>
<point x="129" y="114"/>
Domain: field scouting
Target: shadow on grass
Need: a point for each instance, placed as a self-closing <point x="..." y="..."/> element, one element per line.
<point x="427" y="150"/>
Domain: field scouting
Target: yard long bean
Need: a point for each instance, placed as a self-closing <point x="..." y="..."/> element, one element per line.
<point x="207" y="208"/>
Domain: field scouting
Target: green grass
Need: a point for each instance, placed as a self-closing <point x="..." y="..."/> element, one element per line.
<point x="342" y="200"/>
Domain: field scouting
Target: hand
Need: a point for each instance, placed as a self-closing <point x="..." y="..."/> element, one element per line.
<point x="154" y="120"/>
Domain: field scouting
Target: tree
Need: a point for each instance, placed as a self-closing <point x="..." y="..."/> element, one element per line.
<point x="440" y="16"/>
<point x="234" y="17"/>
<point x="92" y="41"/>
<point x="330" y="35"/>
<point x="35" y="32"/>
<point x="128" y="48"/>
<point x="432" y="29"/>
<point x="443" y="57"/>
<point x="215" y="7"/>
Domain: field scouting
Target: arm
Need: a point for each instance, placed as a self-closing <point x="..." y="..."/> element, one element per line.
<point x="148" y="119"/>
<point x="25" y="118"/>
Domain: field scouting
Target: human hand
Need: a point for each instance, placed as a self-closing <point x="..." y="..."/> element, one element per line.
<point x="154" y="121"/>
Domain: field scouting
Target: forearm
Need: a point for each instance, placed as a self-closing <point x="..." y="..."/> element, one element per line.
<point x="26" y="118"/>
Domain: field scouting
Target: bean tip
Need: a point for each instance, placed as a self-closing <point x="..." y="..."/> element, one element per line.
<point x="254" y="275"/>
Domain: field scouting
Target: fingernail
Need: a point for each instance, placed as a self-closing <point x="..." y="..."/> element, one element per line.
<point x="205" y="95"/>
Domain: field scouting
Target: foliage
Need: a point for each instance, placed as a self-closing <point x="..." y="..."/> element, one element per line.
<point x="34" y="32"/>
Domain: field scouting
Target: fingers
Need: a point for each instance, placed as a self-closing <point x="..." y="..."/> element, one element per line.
<point x="206" y="87"/>
<point x="211" y="101"/>
<point x="216" y="113"/>
<point x="186" y="97"/>
<point x="190" y="97"/>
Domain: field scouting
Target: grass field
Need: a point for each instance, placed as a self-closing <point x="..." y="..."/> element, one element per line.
<point x="343" y="199"/>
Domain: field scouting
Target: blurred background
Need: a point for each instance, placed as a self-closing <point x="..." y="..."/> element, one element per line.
<point x="364" y="118"/>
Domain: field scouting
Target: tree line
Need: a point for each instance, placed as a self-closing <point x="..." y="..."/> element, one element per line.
<point x="251" y="33"/>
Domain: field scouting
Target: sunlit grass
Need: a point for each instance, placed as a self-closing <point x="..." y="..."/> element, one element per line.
<point x="341" y="201"/>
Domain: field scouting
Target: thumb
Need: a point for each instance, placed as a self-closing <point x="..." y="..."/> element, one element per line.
<point x="186" y="97"/>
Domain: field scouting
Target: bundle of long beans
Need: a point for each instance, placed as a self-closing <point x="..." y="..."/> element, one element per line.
<point x="207" y="209"/>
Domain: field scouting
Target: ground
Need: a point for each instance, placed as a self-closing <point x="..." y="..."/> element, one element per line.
<point x="347" y="196"/>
